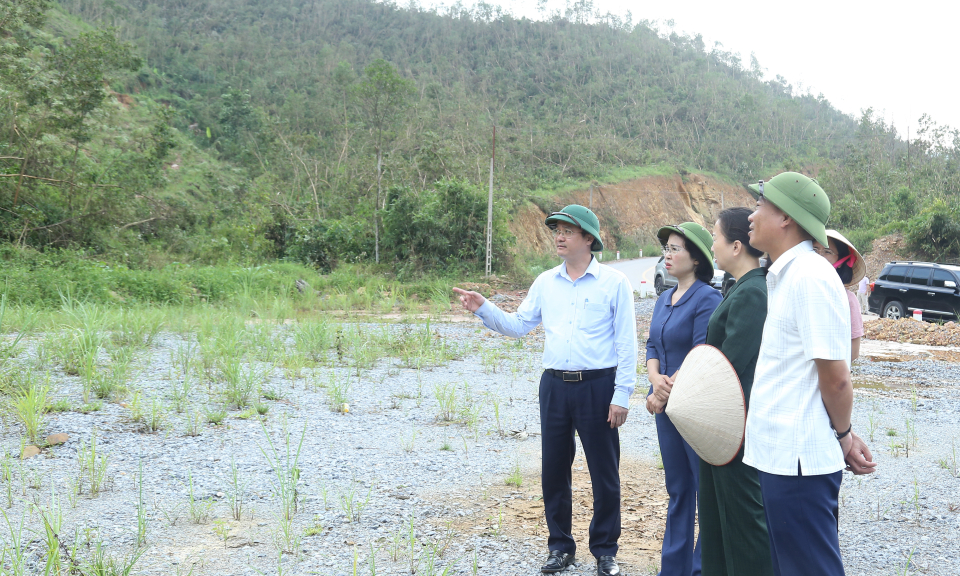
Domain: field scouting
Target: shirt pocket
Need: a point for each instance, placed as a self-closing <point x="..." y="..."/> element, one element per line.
<point x="595" y="317"/>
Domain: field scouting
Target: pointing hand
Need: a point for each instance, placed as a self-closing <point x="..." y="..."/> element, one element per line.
<point x="472" y="301"/>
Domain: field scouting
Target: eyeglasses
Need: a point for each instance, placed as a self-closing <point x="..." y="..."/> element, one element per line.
<point x="824" y="251"/>
<point x="671" y="249"/>
<point x="565" y="232"/>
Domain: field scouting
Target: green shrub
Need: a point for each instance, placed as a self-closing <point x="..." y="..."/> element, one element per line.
<point x="935" y="232"/>
<point x="442" y="227"/>
<point x="326" y="243"/>
<point x="862" y="238"/>
<point x="39" y="278"/>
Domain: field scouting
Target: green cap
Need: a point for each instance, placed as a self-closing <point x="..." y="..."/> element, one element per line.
<point x="579" y="216"/>
<point x="700" y="236"/>
<point x="800" y="198"/>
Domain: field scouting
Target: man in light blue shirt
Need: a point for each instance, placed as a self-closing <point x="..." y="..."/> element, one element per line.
<point x="590" y="369"/>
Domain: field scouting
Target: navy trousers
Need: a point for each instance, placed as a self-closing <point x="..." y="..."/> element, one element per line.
<point x="583" y="407"/>
<point x="680" y="555"/>
<point x="802" y="516"/>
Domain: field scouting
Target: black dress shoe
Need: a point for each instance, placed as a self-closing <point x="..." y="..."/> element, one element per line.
<point x="557" y="562"/>
<point x="607" y="566"/>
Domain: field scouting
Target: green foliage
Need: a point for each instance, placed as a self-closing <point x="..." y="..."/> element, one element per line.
<point x="260" y="131"/>
<point x="935" y="232"/>
<point x="328" y="242"/>
<point x="862" y="238"/>
<point x="40" y="278"/>
<point x="442" y="226"/>
<point x="884" y="184"/>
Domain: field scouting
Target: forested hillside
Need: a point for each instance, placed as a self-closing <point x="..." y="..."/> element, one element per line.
<point x="332" y="130"/>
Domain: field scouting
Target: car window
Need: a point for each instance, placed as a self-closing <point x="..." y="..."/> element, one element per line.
<point x="941" y="276"/>
<point x="920" y="276"/>
<point x="897" y="274"/>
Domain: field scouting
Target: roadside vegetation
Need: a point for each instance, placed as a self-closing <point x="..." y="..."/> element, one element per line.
<point x="184" y="139"/>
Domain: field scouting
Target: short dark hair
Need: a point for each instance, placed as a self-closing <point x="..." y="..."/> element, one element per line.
<point x="735" y="225"/>
<point x="844" y="271"/>
<point x="704" y="268"/>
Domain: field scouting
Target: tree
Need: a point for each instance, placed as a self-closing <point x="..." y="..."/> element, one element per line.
<point x="383" y="95"/>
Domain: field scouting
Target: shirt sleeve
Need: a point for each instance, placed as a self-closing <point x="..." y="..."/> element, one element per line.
<point x="516" y="324"/>
<point x="708" y="301"/>
<point x="823" y="318"/>
<point x="856" y="319"/>
<point x="625" y="341"/>
<point x="652" y="353"/>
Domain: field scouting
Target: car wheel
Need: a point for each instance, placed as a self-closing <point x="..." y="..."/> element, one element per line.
<point x="658" y="285"/>
<point x="894" y="311"/>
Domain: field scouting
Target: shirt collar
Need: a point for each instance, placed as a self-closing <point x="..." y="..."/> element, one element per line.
<point x="593" y="269"/>
<point x="697" y="284"/>
<point x="755" y="272"/>
<point x="777" y="267"/>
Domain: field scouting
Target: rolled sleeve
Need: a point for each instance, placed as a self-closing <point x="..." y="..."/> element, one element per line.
<point x="625" y="340"/>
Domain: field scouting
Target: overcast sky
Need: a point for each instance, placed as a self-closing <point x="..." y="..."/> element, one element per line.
<point x="901" y="59"/>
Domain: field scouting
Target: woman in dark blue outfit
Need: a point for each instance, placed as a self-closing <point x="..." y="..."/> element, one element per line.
<point x="678" y="324"/>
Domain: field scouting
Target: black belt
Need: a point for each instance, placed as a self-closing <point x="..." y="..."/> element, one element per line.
<point x="580" y="375"/>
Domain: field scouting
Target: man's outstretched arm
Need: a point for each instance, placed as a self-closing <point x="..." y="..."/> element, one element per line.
<point x="526" y="318"/>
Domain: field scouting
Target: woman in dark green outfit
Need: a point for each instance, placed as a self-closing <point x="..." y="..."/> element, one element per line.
<point x="733" y="529"/>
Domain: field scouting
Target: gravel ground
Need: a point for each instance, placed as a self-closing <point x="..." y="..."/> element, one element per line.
<point x="407" y="470"/>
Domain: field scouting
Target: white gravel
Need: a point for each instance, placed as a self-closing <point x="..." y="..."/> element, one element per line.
<point x="909" y="506"/>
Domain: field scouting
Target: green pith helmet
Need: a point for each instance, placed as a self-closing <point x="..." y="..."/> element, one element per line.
<point x="800" y="198"/>
<point x="693" y="232"/>
<point x="579" y="216"/>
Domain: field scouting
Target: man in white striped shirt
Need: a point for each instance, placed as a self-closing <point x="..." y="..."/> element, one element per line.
<point x="798" y="432"/>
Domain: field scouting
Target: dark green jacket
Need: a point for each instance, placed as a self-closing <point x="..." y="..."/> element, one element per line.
<point x="736" y="326"/>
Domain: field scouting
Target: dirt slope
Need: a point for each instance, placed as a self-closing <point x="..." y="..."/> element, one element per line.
<point x="636" y="208"/>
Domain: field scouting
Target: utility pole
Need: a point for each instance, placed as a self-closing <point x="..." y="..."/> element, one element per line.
<point x="493" y="154"/>
<point x="909" y="175"/>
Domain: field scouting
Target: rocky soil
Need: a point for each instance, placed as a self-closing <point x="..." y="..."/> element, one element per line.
<point x="430" y="469"/>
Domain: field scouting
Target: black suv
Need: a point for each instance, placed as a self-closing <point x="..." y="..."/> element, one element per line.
<point x="904" y="287"/>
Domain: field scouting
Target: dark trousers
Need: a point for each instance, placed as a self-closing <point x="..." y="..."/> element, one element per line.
<point x="802" y="516"/>
<point x="680" y="555"/>
<point x="583" y="407"/>
<point x="733" y="527"/>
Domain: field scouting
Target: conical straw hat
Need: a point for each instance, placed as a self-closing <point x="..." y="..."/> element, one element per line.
<point x="706" y="405"/>
<point x="859" y="267"/>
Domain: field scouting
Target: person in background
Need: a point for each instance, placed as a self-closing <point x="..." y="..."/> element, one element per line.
<point x="863" y="294"/>
<point x="679" y="323"/>
<point x="733" y="530"/>
<point x="846" y="260"/>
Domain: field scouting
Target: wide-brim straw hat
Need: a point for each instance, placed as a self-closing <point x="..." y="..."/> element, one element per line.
<point x="706" y="405"/>
<point x="859" y="266"/>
